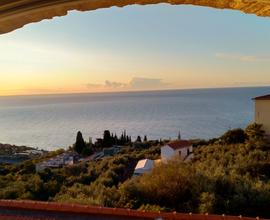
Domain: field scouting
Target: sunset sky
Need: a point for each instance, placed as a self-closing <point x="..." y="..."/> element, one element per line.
<point x="136" y="48"/>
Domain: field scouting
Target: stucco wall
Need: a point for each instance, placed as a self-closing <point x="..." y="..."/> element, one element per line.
<point x="184" y="152"/>
<point x="167" y="153"/>
<point x="262" y="114"/>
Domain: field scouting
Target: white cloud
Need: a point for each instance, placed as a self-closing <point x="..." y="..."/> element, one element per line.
<point x="107" y="85"/>
<point x="136" y="83"/>
<point x="112" y="84"/>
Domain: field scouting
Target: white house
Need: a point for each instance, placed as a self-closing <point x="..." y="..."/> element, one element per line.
<point x="262" y="112"/>
<point x="143" y="166"/>
<point x="64" y="159"/>
<point x="181" y="149"/>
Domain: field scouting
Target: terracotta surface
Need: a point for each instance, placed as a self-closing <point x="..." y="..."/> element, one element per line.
<point x="11" y="209"/>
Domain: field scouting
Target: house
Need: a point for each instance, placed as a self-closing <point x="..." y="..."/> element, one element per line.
<point x="181" y="149"/>
<point x="47" y="164"/>
<point x="112" y="150"/>
<point x="69" y="161"/>
<point x="98" y="155"/>
<point x="99" y="143"/>
<point x="262" y="112"/>
<point x="143" y="166"/>
<point x="65" y="159"/>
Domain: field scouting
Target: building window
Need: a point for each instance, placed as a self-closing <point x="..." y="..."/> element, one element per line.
<point x="179" y="153"/>
<point x="188" y="152"/>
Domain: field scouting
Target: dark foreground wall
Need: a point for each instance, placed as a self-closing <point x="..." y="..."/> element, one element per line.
<point x="29" y="210"/>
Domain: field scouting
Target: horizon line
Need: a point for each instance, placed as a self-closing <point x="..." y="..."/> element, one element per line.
<point x="130" y="91"/>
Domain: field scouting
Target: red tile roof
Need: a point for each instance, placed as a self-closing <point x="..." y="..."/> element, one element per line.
<point x="178" y="144"/>
<point x="265" y="97"/>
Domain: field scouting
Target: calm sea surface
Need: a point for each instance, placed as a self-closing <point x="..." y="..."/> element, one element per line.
<point x="52" y="121"/>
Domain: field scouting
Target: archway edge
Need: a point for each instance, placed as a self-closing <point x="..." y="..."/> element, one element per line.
<point x="17" y="13"/>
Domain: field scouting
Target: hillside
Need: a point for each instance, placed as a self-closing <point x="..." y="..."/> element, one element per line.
<point x="228" y="175"/>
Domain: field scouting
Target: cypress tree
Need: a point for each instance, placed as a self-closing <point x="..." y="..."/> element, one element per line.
<point x="139" y="139"/>
<point x="79" y="145"/>
<point x="107" y="139"/>
<point x="122" y="141"/>
<point x="125" y="136"/>
<point x="145" y="138"/>
<point x="179" y="136"/>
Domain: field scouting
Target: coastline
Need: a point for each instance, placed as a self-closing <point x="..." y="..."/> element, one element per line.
<point x="14" y="154"/>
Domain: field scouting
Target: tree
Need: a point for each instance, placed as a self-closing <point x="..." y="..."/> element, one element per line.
<point x="107" y="139"/>
<point x="145" y="138"/>
<point x="28" y="167"/>
<point x="79" y="146"/>
<point x="139" y="139"/>
<point x="125" y="135"/>
<point x="234" y="136"/>
<point x="254" y="131"/>
<point x="174" y="178"/>
<point x="87" y="151"/>
<point x="115" y="139"/>
<point x="179" y="136"/>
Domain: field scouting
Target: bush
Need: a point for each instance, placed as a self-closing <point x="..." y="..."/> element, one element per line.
<point x="154" y="208"/>
<point x="87" y="151"/>
<point x="254" y="131"/>
<point x="234" y="136"/>
<point x="169" y="185"/>
<point x="207" y="203"/>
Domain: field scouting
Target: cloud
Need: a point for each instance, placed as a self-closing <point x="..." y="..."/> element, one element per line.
<point x="111" y="84"/>
<point x="107" y="85"/>
<point x="243" y="58"/>
<point x="136" y="83"/>
<point x="146" y="83"/>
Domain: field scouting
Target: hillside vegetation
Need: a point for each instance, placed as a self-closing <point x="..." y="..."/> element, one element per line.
<point x="228" y="175"/>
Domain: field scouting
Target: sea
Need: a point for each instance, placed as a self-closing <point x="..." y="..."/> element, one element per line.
<point x="51" y="121"/>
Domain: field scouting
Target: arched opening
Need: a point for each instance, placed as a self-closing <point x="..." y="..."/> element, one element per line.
<point x="102" y="51"/>
<point x="15" y="14"/>
<point x="178" y="52"/>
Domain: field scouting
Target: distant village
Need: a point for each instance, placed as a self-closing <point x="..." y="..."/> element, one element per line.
<point x="110" y="145"/>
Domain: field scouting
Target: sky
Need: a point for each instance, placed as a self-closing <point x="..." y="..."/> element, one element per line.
<point x="135" y="48"/>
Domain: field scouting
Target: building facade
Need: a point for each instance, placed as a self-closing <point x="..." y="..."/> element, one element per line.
<point x="180" y="149"/>
<point x="262" y="112"/>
